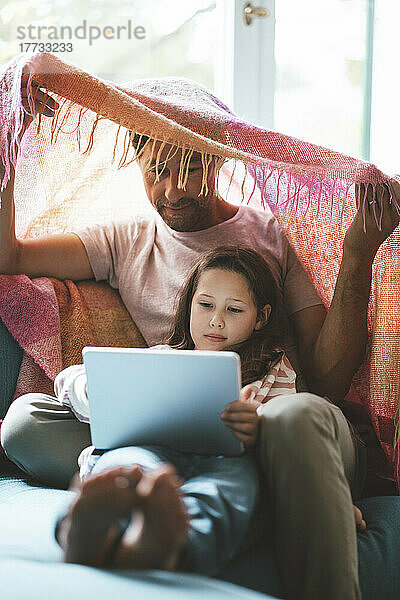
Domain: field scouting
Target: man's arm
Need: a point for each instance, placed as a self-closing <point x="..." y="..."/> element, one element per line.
<point x="331" y="349"/>
<point x="60" y="256"/>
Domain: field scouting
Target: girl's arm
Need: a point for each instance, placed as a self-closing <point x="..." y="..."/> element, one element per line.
<point x="70" y="390"/>
<point x="281" y="380"/>
<point x="242" y="416"/>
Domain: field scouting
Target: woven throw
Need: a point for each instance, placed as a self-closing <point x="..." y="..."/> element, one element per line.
<point x="70" y="172"/>
<point x="54" y="320"/>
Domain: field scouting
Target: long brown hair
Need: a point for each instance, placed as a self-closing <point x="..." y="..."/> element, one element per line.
<point x="263" y="348"/>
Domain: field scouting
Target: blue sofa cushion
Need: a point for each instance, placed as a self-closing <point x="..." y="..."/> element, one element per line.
<point x="31" y="567"/>
<point x="28" y="548"/>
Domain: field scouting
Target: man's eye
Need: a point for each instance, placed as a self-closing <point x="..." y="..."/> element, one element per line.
<point x="193" y="169"/>
<point x="235" y="310"/>
<point x="162" y="171"/>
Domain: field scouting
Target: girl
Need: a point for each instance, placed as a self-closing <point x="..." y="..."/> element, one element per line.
<point x="131" y="509"/>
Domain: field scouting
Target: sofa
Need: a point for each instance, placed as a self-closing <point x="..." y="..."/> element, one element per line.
<point x="31" y="565"/>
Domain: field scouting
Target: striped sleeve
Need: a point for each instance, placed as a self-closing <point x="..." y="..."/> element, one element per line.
<point x="281" y="379"/>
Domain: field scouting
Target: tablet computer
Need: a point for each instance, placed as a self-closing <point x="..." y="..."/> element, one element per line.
<point x="174" y="398"/>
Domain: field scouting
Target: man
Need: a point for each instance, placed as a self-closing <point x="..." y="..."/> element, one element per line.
<point x="307" y="450"/>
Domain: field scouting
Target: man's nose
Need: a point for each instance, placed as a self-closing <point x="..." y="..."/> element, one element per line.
<point x="172" y="192"/>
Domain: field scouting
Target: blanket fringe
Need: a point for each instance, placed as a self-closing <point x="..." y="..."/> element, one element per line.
<point x="301" y="189"/>
<point x="62" y="116"/>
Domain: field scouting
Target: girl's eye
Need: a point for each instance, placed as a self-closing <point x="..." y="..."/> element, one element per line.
<point x="205" y="304"/>
<point x="235" y="310"/>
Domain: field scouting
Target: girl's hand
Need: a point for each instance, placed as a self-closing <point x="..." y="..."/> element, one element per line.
<point x="241" y="416"/>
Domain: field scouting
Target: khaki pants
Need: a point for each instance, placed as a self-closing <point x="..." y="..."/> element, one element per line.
<point x="312" y="460"/>
<point x="314" y="464"/>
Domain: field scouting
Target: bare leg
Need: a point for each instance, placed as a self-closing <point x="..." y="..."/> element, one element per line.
<point x="151" y="505"/>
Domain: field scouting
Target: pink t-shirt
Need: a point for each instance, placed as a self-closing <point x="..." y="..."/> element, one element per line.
<point x="148" y="262"/>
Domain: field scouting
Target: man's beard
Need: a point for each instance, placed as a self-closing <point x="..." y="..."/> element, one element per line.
<point x="191" y="218"/>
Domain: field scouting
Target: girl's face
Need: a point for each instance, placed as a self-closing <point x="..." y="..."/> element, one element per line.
<point x="223" y="312"/>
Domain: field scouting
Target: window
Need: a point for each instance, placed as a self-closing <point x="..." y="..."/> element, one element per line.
<point x="320" y="71"/>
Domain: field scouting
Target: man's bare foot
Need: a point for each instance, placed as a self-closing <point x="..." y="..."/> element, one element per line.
<point x="124" y="518"/>
<point x="158" y="530"/>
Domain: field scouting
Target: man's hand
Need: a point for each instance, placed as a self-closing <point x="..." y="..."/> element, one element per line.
<point x="241" y="416"/>
<point x="43" y="103"/>
<point x="360" y="244"/>
<point x="360" y="523"/>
